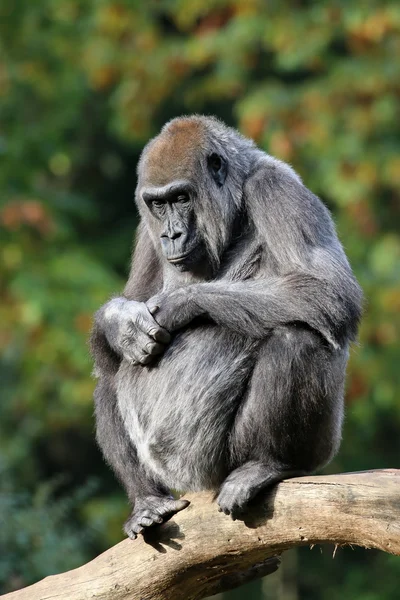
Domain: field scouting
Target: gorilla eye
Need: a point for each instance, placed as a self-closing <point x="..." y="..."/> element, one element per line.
<point x="158" y="204"/>
<point x="183" y="198"/>
<point x="214" y="162"/>
<point x="218" y="168"/>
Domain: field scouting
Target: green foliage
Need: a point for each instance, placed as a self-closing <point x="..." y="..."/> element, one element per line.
<point x="39" y="530"/>
<point x="83" y="84"/>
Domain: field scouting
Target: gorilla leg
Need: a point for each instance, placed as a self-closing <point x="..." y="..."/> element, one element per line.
<point x="290" y="422"/>
<point x="152" y="502"/>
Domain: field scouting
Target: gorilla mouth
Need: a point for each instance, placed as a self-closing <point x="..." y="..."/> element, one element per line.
<point x="180" y="258"/>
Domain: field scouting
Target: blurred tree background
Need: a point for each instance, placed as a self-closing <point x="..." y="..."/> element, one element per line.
<point x="83" y="85"/>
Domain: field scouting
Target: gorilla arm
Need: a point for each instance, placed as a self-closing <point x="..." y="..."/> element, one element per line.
<point x="313" y="284"/>
<point x="254" y="308"/>
<point x="124" y="326"/>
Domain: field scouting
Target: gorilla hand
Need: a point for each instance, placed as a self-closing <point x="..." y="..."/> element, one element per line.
<point x="132" y="331"/>
<point x="173" y="310"/>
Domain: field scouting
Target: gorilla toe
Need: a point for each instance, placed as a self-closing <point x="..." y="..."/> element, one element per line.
<point x="151" y="511"/>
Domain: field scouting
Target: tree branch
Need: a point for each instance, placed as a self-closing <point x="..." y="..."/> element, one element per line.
<point x="202" y="552"/>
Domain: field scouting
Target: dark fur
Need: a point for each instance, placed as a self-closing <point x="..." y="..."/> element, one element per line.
<point x="249" y="390"/>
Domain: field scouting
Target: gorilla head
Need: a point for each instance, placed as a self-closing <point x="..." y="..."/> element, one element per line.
<point x="189" y="190"/>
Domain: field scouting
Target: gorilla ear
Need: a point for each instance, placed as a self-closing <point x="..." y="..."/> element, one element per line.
<point x="218" y="168"/>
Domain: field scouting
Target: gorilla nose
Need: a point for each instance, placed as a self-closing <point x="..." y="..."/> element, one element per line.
<point x="174" y="235"/>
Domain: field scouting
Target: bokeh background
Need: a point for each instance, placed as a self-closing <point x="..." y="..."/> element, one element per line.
<point x="83" y="85"/>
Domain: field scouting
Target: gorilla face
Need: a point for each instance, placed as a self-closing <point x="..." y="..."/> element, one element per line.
<point x="174" y="207"/>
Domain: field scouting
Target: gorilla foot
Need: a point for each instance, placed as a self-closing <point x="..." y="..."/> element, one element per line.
<point x="150" y="511"/>
<point x="243" y="484"/>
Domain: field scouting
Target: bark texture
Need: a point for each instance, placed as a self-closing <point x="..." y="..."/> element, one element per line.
<point x="201" y="551"/>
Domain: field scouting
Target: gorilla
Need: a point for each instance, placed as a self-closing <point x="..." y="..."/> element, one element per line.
<point x="222" y="365"/>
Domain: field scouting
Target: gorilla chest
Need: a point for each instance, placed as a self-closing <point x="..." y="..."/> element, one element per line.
<point x="178" y="413"/>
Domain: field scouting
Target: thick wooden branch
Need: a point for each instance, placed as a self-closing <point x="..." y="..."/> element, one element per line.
<point x="202" y="552"/>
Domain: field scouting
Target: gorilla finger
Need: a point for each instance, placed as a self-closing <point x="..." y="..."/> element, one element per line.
<point x="132" y="529"/>
<point x="141" y="342"/>
<point x="154" y="348"/>
<point x="181" y="503"/>
<point x="146" y="521"/>
<point x="154" y="517"/>
<point x="153" y="308"/>
<point x="160" y="334"/>
<point x="171" y="506"/>
<point x="137" y="529"/>
<point x="157" y="518"/>
<point x="131" y="357"/>
<point x="177" y="505"/>
<point x="139" y="358"/>
<point x="145" y="359"/>
<point x="150" y="326"/>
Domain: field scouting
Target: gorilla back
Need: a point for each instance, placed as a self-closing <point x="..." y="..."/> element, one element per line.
<point x="222" y="365"/>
